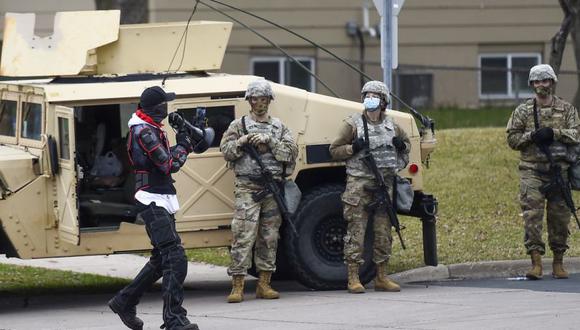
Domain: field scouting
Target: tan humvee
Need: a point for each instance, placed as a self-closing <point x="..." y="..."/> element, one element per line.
<point x="66" y="187"/>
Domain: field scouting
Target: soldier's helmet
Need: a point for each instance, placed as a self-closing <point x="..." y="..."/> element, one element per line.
<point x="378" y="87"/>
<point x="259" y="88"/>
<point x="541" y="72"/>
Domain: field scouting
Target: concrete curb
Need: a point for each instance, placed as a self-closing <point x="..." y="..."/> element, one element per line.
<point x="481" y="270"/>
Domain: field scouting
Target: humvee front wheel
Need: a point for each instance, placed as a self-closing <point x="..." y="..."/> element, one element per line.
<point x="316" y="253"/>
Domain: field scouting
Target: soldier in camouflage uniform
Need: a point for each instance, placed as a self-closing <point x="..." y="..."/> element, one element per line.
<point x="558" y="130"/>
<point x="256" y="222"/>
<point x="390" y="147"/>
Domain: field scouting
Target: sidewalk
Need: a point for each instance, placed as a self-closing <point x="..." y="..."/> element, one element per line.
<point x="128" y="265"/>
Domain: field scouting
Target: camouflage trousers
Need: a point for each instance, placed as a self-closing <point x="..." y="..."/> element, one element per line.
<point x="354" y="199"/>
<point x="533" y="203"/>
<point x="255" y="229"/>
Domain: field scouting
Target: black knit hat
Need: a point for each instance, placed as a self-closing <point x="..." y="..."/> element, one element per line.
<point x="155" y="95"/>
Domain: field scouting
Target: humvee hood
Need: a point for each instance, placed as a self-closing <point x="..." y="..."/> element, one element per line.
<point x="17" y="169"/>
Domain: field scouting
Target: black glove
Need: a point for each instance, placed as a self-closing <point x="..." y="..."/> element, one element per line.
<point x="543" y="136"/>
<point x="357" y="145"/>
<point x="399" y="144"/>
<point x="184" y="140"/>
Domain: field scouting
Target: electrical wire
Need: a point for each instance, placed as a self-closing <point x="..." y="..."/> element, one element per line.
<point x="184" y="40"/>
<point x="425" y="121"/>
<point x="273" y="44"/>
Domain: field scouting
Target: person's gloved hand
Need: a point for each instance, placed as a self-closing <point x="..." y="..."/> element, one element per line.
<point x="184" y="140"/>
<point x="259" y="138"/>
<point x="244" y="139"/>
<point x="543" y="136"/>
<point x="357" y="145"/>
<point x="399" y="144"/>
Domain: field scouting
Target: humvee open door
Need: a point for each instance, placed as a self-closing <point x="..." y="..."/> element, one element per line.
<point x="66" y="186"/>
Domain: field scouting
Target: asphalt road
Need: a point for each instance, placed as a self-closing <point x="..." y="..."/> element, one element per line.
<point x="467" y="304"/>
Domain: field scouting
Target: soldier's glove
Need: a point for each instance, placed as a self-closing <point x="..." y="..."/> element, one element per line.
<point x="358" y="145"/>
<point x="259" y="138"/>
<point x="244" y="139"/>
<point x="399" y="144"/>
<point x="543" y="136"/>
<point x="184" y="140"/>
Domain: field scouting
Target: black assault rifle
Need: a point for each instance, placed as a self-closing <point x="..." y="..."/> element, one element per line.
<point x="382" y="200"/>
<point x="270" y="186"/>
<point x="556" y="181"/>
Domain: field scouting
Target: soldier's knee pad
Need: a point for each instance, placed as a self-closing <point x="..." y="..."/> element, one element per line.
<point x="160" y="227"/>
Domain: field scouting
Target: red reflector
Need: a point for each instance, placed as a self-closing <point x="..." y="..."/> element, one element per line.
<point x="414" y="168"/>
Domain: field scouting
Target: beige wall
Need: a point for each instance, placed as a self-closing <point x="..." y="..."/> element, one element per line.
<point x="438" y="33"/>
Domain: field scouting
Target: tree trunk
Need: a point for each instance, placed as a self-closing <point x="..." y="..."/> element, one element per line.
<point x="559" y="39"/>
<point x="132" y="11"/>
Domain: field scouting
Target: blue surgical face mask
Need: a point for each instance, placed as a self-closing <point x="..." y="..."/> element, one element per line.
<point x="372" y="103"/>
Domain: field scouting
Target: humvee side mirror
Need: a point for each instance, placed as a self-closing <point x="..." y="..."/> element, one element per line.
<point x="52" y="155"/>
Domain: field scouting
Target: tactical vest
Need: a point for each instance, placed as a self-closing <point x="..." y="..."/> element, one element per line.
<point x="555" y="117"/>
<point x="380" y="144"/>
<point x="148" y="176"/>
<point x="246" y="166"/>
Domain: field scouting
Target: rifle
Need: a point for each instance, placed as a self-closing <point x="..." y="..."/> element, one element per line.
<point x="381" y="195"/>
<point x="270" y="184"/>
<point x="557" y="181"/>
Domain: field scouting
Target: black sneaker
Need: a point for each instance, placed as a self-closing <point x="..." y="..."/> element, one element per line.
<point x="129" y="318"/>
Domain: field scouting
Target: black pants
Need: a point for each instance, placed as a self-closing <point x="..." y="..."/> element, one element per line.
<point x="167" y="260"/>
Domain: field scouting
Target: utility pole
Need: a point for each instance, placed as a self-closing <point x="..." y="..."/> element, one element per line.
<point x="386" y="43"/>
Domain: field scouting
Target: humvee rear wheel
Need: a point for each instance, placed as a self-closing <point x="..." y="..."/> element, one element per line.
<point x="316" y="253"/>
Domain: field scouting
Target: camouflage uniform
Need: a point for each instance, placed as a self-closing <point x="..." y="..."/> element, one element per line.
<point x="256" y="222"/>
<point x="534" y="167"/>
<point x="355" y="197"/>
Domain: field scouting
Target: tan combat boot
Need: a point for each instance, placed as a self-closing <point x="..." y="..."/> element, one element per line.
<point x="536" y="272"/>
<point x="237" y="294"/>
<point x="558" y="270"/>
<point x="383" y="282"/>
<point x="354" y="284"/>
<point x="263" y="289"/>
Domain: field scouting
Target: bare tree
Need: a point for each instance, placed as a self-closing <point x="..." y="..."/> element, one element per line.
<point x="570" y="26"/>
<point x="132" y="11"/>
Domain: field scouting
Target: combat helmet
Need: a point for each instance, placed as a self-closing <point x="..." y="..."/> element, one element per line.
<point x="259" y="88"/>
<point x="541" y="72"/>
<point x="378" y="87"/>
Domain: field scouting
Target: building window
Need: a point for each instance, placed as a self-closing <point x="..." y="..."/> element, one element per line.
<point x="506" y="75"/>
<point x="416" y="89"/>
<point x="284" y="71"/>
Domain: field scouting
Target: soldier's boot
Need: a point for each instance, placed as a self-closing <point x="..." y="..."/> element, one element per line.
<point x="354" y="284"/>
<point x="558" y="270"/>
<point x="536" y="272"/>
<point x="383" y="282"/>
<point x="263" y="289"/>
<point x="237" y="294"/>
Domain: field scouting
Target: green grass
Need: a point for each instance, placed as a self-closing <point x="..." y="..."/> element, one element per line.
<point x="214" y="256"/>
<point x="24" y="281"/>
<point x="454" y="118"/>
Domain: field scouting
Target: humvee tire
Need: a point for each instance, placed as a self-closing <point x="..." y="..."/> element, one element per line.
<point x="316" y="253"/>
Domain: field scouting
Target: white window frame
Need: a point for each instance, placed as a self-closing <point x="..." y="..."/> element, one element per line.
<point x="509" y="56"/>
<point x="282" y="67"/>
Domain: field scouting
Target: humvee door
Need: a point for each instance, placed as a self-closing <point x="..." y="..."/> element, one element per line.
<point x="66" y="210"/>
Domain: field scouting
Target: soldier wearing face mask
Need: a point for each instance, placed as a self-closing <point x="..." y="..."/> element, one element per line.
<point x="255" y="225"/>
<point x="544" y="121"/>
<point x="390" y="147"/>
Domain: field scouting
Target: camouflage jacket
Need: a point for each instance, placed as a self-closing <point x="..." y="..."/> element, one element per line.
<point x="341" y="147"/>
<point x="281" y="151"/>
<point x="560" y="116"/>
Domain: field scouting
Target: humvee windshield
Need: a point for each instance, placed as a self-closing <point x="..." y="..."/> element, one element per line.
<point x="8" y="117"/>
<point x="31" y="120"/>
